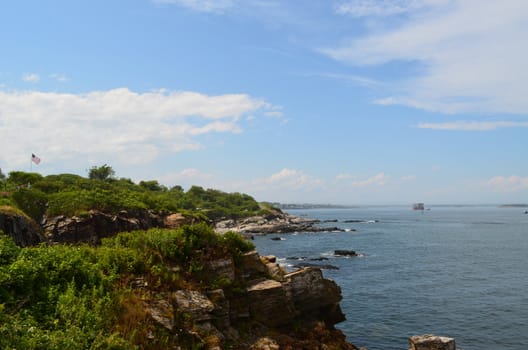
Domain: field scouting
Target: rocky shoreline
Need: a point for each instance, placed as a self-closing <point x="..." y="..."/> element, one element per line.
<point x="275" y="222"/>
<point x="272" y="301"/>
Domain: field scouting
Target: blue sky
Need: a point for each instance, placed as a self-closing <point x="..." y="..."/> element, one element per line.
<point x="325" y="101"/>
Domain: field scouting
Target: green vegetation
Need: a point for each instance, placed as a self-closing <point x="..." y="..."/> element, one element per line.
<point x="98" y="297"/>
<point x="68" y="194"/>
<point x="84" y="297"/>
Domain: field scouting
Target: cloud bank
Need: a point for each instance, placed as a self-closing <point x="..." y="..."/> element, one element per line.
<point x="132" y="127"/>
<point x="473" y="125"/>
<point x="512" y="183"/>
<point x="472" y="53"/>
<point x="213" y="6"/>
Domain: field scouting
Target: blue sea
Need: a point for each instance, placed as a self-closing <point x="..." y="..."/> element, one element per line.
<point x="457" y="271"/>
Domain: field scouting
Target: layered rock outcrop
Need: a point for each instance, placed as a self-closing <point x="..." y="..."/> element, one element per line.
<point x="261" y="315"/>
<point x="89" y="228"/>
<point x="96" y="225"/>
<point x="25" y="231"/>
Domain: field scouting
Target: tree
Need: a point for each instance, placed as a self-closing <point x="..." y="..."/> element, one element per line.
<point x="152" y="185"/>
<point x="103" y="172"/>
<point x="23" y="178"/>
<point x="2" y="179"/>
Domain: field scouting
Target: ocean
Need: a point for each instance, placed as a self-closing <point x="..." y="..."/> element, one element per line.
<point x="457" y="271"/>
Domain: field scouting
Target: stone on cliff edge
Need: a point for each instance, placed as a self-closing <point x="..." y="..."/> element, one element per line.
<point x="315" y="296"/>
<point x="431" y="342"/>
<point x="175" y="220"/>
<point x="193" y="303"/>
<point x="265" y="344"/>
<point x="161" y="312"/>
<point x="269" y="304"/>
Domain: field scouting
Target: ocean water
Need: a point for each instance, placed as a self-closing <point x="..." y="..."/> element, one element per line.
<point x="460" y="272"/>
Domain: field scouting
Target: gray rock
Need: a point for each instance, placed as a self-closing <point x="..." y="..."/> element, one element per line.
<point x="431" y="342"/>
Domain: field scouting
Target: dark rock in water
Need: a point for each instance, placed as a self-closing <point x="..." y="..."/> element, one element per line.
<point x="330" y="220"/>
<point x="319" y="266"/>
<point x="296" y="258"/>
<point x="331" y="229"/>
<point x="276" y="239"/>
<point x="360" y="221"/>
<point x="322" y="258"/>
<point x="344" y="252"/>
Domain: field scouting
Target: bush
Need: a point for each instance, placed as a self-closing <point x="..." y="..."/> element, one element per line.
<point x="32" y="201"/>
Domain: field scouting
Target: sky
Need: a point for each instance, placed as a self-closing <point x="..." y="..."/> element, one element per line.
<point x="354" y="102"/>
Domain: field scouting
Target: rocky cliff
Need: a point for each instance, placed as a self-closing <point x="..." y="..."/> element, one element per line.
<point x="25" y="232"/>
<point x="89" y="228"/>
<point x="273" y="310"/>
<point x="262" y="307"/>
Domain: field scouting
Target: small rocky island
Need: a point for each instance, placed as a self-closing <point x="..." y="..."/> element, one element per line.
<point x="274" y="222"/>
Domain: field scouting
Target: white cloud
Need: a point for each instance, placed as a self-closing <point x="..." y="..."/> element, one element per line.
<point x="118" y="124"/>
<point x="376" y="180"/>
<point x="512" y="183"/>
<point x="463" y="125"/>
<point x="472" y="55"/>
<point x="343" y="176"/>
<point x="59" y="77"/>
<point x="383" y="8"/>
<point x="408" y="178"/>
<point x="351" y="78"/>
<point x="186" y="177"/>
<point x="215" y="6"/>
<point x="291" y="179"/>
<point x="31" y="78"/>
<point x="354" y="181"/>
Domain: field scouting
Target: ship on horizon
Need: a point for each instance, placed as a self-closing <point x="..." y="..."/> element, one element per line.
<point x="418" y="206"/>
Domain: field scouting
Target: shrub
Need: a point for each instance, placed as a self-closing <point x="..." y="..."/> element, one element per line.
<point x="32" y="201"/>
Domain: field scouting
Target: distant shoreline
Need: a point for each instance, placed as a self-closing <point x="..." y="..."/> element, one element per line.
<point x="513" y="206"/>
<point x="287" y="206"/>
<point x="311" y="206"/>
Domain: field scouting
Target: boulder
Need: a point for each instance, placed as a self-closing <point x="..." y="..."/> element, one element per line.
<point x="269" y="304"/>
<point x="194" y="304"/>
<point x="344" y="252"/>
<point x="175" y="220"/>
<point x="314" y="296"/>
<point x="431" y="342"/>
<point x="265" y="343"/>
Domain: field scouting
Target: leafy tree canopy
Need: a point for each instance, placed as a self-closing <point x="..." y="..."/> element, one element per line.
<point x="69" y="194"/>
<point x="103" y="172"/>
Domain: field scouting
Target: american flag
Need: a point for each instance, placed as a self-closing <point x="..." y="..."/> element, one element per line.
<point x="35" y="159"/>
